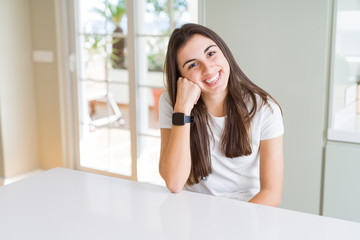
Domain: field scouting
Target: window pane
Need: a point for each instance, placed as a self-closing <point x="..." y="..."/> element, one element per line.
<point x="105" y="140"/>
<point x="156" y="51"/>
<point x="149" y="110"/>
<point x="93" y="57"/>
<point x="107" y="149"/>
<point x="116" y="59"/>
<point x="116" y="51"/>
<point x="120" y="151"/>
<point x="156" y="17"/>
<point x="185" y="12"/>
<point x="102" y="17"/>
<point x="162" y="16"/>
<point x="118" y="75"/>
<point x="90" y="19"/>
<point x="120" y="96"/>
<point x="152" y="60"/>
<point x="93" y="101"/>
<point x="94" y="134"/>
<point x="148" y="163"/>
<point x="120" y="137"/>
<point x="93" y="148"/>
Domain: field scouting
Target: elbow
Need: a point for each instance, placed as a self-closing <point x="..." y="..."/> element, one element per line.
<point x="174" y="187"/>
<point x="268" y="198"/>
<point x="277" y="202"/>
<point x="277" y="198"/>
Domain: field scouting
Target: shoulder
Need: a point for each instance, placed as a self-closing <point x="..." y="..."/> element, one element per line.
<point x="271" y="107"/>
<point x="165" y="110"/>
<point x="265" y="107"/>
<point x="260" y="104"/>
<point x="165" y="98"/>
<point x="270" y="119"/>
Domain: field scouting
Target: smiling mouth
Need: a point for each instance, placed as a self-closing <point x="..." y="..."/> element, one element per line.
<point x="213" y="79"/>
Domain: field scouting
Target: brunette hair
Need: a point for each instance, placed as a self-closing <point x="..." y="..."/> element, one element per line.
<point x="236" y="136"/>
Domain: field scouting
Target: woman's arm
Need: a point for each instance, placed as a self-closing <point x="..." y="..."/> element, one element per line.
<point x="271" y="172"/>
<point x="175" y="155"/>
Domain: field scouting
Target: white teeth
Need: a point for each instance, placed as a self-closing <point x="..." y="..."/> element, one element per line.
<point x="213" y="79"/>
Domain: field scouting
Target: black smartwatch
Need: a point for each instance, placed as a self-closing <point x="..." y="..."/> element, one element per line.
<point x="179" y="119"/>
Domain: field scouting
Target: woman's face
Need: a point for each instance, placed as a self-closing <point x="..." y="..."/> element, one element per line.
<point x="201" y="61"/>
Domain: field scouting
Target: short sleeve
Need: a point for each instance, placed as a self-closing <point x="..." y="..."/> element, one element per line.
<point x="165" y="111"/>
<point x="271" y="121"/>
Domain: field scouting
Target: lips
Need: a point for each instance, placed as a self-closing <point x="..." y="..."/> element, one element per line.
<point x="213" y="79"/>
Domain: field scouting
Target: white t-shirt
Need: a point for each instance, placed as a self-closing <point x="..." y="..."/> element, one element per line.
<point x="232" y="177"/>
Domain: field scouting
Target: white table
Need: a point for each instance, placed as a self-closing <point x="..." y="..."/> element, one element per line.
<point x="68" y="204"/>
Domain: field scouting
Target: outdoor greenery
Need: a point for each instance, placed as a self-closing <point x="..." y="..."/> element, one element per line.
<point x="156" y="46"/>
<point x="114" y="13"/>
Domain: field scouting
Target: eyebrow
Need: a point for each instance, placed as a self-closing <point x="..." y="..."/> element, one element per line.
<point x="206" y="49"/>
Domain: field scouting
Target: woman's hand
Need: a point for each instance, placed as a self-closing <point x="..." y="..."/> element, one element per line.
<point x="188" y="93"/>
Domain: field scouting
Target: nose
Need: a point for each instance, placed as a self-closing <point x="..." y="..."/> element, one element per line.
<point x="206" y="68"/>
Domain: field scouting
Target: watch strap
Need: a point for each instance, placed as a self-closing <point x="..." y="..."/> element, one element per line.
<point x="188" y="119"/>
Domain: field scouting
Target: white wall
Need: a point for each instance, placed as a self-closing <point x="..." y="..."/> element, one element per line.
<point x="46" y="80"/>
<point x="18" y="127"/>
<point x="282" y="45"/>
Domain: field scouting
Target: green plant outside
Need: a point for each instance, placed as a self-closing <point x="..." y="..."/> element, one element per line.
<point x="114" y="14"/>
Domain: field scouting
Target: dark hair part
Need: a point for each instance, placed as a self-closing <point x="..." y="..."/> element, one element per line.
<point x="241" y="92"/>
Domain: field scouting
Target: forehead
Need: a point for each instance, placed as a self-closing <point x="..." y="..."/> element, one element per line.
<point x="194" y="47"/>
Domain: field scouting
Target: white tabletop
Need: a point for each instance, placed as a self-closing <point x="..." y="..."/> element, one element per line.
<point x="68" y="204"/>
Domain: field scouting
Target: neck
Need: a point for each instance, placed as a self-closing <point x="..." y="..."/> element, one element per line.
<point x="215" y="104"/>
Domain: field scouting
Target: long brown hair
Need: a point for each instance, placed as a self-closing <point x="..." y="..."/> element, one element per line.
<point x="241" y="91"/>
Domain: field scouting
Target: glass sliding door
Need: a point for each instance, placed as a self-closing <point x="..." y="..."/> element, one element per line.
<point x="120" y="50"/>
<point x="103" y="87"/>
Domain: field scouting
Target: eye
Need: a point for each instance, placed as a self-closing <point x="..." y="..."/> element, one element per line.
<point x="192" y="65"/>
<point x="211" y="53"/>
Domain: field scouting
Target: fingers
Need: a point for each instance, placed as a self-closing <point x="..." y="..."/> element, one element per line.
<point x="192" y="88"/>
<point x="197" y="99"/>
<point x="188" y="93"/>
<point x="198" y="91"/>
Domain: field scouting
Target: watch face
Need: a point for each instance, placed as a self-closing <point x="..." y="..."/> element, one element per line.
<point x="178" y="119"/>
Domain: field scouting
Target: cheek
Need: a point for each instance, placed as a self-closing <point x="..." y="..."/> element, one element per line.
<point x="187" y="74"/>
<point x="193" y="76"/>
<point x="227" y="66"/>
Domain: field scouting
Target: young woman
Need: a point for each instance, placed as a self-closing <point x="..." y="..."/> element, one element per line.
<point x="220" y="133"/>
